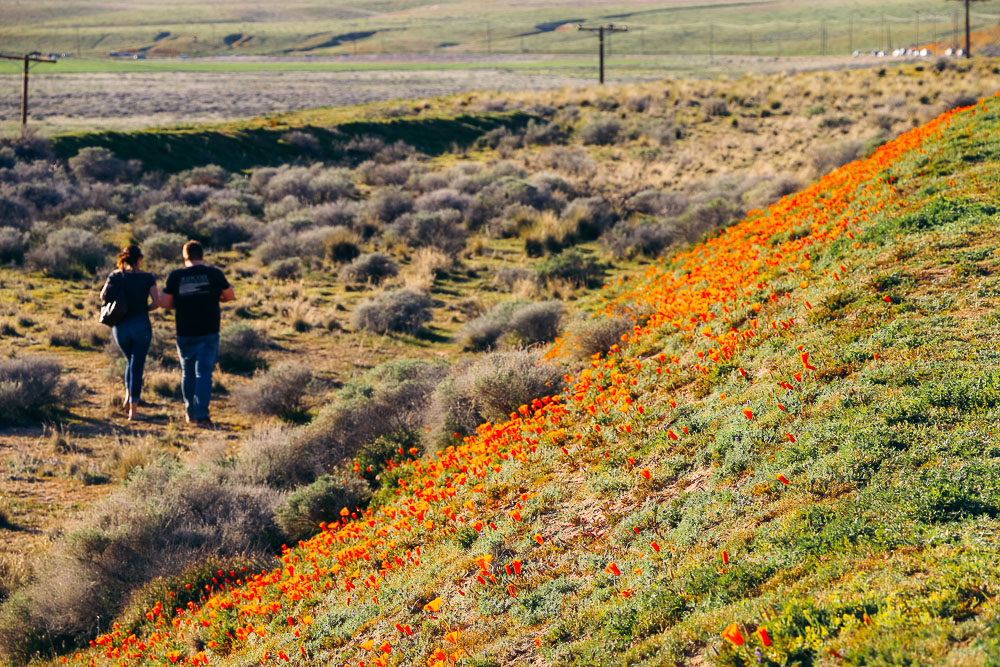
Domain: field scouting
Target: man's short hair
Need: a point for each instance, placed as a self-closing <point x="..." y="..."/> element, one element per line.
<point x="193" y="250"/>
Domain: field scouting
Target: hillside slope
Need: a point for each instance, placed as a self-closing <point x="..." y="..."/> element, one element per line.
<point x="799" y="435"/>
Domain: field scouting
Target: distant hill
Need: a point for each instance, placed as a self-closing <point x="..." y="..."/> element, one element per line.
<point x="310" y="27"/>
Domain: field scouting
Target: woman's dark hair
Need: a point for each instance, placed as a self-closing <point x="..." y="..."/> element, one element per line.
<point x="129" y="256"/>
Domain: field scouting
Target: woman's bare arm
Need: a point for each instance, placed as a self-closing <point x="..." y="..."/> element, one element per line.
<point x="154" y="294"/>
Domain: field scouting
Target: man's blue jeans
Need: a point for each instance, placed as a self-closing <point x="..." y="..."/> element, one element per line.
<point x="198" y="355"/>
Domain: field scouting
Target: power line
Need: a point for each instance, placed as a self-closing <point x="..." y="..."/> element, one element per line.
<point x="28" y="58"/>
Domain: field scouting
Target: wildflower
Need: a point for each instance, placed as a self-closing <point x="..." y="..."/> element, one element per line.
<point x="733" y="634"/>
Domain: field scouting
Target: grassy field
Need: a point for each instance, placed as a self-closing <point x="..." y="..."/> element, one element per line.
<point x="542" y="194"/>
<point x="76" y="95"/>
<point x="771" y="28"/>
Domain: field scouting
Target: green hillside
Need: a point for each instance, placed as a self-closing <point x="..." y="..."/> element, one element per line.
<point x="791" y="459"/>
<point x="462" y="27"/>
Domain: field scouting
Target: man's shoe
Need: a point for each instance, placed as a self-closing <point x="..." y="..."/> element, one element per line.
<point x="205" y="423"/>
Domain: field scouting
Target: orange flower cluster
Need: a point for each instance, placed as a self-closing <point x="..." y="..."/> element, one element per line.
<point x="706" y="290"/>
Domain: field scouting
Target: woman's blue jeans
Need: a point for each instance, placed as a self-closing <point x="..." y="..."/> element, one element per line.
<point x="133" y="337"/>
<point x="198" y="355"/>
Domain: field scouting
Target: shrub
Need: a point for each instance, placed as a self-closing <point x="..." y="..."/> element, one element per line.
<point x="402" y="311"/>
<point x="717" y="107"/>
<point x="240" y="347"/>
<point x="340" y="213"/>
<point x="601" y="131"/>
<point x="441" y="229"/>
<point x="210" y="175"/>
<point x="277" y="392"/>
<point x="13" y="243"/>
<point x="281" y="243"/>
<point x="544" y="134"/>
<point x="961" y="100"/>
<point x="711" y="215"/>
<point x="94" y="219"/>
<point x="827" y="158"/>
<point x="332" y="185"/>
<point x="100" y="164"/>
<point x="175" y="218"/>
<point x="372" y="268"/>
<point x="489" y="389"/>
<point x="590" y="217"/>
<point x="226" y="232"/>
<point x="571" y="266"/>
<point x="482" y="333"/>
<point x="341" y="245"/>
<point x="426" y="266"/>
<point x="287" y="269"/>
<point x="509" y="191"/>
<point x="164" y="246"/>
<point x="536" y="322"/>
<point x="289" y="182"/>
<point x="29" y="387"/>
<point x="163" y="522"/>
<point x="647" y="238"/>
<point x="450" y="199"/>
<point x="304" y="141"/>
<point x="44" y="196"/>
<point x="387" y="204"/>
<point x="390" y="398"/>
<point x="590" y="336"/>
<point x="14" y="211"/>
<point x="70" y="253"/>
<point x="373" y="173"/>
<point x="572" y="160"/>
<point x="322" y="501"/>
<point x="658" y="202"/>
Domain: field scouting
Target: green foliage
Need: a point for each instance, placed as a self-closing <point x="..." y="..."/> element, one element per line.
<point x="322" y="501"/>
<point x="177" y="150"/>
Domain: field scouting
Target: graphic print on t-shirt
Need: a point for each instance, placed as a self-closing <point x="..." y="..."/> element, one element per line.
<point x="194" y="285"/>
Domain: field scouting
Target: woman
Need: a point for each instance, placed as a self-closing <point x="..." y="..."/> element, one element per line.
<point x="133" y="334"/>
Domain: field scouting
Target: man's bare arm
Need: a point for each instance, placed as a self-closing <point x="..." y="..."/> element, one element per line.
<point x="166" y="301"/>
<point x="227" y="295"/>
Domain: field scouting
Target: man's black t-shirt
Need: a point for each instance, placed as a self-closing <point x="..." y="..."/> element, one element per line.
<point x="196" y="290"/>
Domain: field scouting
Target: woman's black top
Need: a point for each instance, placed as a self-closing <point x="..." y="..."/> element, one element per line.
<point x="135" y="292"/>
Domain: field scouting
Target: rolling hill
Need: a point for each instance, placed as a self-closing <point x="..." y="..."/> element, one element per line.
<point x="789" y="458"/>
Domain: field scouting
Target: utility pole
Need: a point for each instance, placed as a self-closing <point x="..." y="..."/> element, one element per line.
<point x="28" y="58"/>
<point x="489" y="40"/>
<point x="968" y="39"/>
<point x="600" y="30"/>
<point x="822" y="37"/>
<point x="711" y="42"/>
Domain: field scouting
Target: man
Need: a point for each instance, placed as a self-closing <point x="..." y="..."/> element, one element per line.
<point x="195" y="292"/>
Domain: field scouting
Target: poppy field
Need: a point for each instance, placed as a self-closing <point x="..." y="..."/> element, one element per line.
<point x="790" y="459"/>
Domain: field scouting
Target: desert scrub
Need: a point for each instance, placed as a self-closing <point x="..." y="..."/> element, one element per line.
<point x="30" y="388"/>
<point x="322" y="501"/>
<point x="371" y="268"/>
<point x="571" y="266"/>
<point x="240" y="348"/>
<point x="515" y="322"/>
<point x="400" y="311"/>
<point x="489" y="389"/>
<point x="277" y="392"/>
<point x="70" y="253"/>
